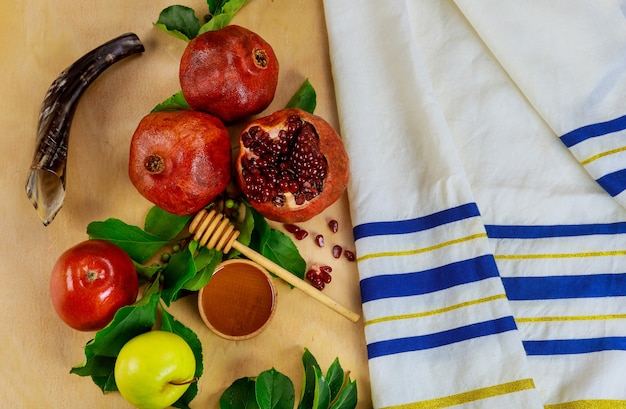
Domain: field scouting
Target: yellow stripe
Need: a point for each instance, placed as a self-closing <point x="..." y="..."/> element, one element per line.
<point x="589" y="404"/>
<point x="561" y="255"/>
<point x="422" y="250"/>
<point x="574" y="318"/>
<point x="471" y="396"/>
<point x="434" y="312"/>
<point x="603" y="154"/>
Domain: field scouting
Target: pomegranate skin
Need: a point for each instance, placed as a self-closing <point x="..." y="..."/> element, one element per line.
<point x="231" y="73"/>
<point x="180" y="160"/>
<point x="257" y="182"/>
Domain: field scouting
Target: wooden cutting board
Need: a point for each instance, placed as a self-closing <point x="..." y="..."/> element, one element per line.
<point x="38" y="40"/>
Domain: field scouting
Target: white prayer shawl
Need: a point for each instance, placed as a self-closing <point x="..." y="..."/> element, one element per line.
<point x="488" y="158"/>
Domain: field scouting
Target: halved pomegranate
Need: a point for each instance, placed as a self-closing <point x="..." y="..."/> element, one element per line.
<point x="291" y="165"/>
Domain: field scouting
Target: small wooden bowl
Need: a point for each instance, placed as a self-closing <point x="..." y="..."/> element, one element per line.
<point x="239" y="301"/>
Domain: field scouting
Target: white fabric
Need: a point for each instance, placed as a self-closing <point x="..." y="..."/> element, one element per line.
<point x="491" y="242"/>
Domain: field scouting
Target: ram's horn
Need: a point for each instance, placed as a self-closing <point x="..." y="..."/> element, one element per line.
<point x="45" y="186"/>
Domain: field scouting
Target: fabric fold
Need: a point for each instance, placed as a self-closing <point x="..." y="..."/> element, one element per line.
<point x="432" y="294"/>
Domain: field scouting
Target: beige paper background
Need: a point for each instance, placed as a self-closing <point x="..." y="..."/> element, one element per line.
<point x="38" y="39"/>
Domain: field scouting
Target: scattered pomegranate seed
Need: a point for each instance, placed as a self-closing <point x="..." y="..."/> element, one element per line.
<point x="325" y="277"/>
<point x="333" y="225"/>
<point x="349" y="255"/>
<point x="300" y="234"/>
<point x="337" y="251"/>
<point x="319" y="240"/>
<point x="311" y="275"/>
<point x="318" y="283"/>
<point x="326" y="269"/>
<point x="291" y="228"/>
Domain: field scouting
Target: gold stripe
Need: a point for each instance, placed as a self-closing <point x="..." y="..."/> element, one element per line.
<point x="559" y="255"/>
<point x="471" y="396"/>
<point x="422" y="250"/>
<point x="589" y="404"/>
<point x="434" y="312"/>
<point x="603" y="154"/>
<point x="574" y="318"/>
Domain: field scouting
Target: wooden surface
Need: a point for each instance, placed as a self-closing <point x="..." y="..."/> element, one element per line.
<point x="38" y="40"/>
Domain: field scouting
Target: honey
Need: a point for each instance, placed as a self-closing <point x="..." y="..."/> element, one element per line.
<point x="238" y="301"/>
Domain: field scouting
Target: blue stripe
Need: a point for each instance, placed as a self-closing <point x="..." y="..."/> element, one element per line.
<point x="591" y="131"/>
<point x="614" y="183"/>
<point x="454" y="214"/>
<point x="421" y="342"/>
<point x="574" y="346"/>
<point x="562" y="287"/>
<point x="427" y="281"/>
<point x="560" y="230"/>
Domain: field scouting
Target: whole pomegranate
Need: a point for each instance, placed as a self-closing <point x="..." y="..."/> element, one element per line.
<point x="291" y="165"/>
<point x="180" y="160"/>
<point x="231" y="73"/>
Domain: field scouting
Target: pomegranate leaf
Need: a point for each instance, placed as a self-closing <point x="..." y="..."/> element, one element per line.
<point x="305" y="98"/>
<point x="309" y="363"/>
<point x="169" y="323"/>
<point x="321" y="395"/>
<point x="221" y="12"/>
<point x="274" y="390"/>
<point x="139" y="244"/>
<point x="179" y="270"/>
<point x="335" y="378"/>
<point x="164" y="224"/>
<point x="205" y="261"/>
<point x="173" y="103"/>
<point x="179" y="21"/>
<point x="239" y="395"/>
<point x="347" y="398"/>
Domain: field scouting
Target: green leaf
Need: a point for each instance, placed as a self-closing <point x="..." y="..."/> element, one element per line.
<point x="174" y="103"/>
<point x="239" y="395"/>
<point x="139" y="244"/>
<point x="282" y="250"/>
<point x="179" y="21"/>
<point x="179" y="270"/>
<point x="334" y="377"/>
<point x="305" y="98"/>
<point x="147" y="273"/>
<point x="245" y="228"/>
<point x="205" y="262"/>
<point x="309" y="363"/>
<point x="169" y="323"/>
<point x="321" y="396"/>
<point x="221" y="16"/>
<point x="274" y="390"/>
<point x="164" y="224"/>
<point x="348" y="398"/>
<point x="128" y="322"/>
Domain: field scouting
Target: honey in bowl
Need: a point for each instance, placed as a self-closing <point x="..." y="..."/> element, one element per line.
<point x="238" y="301"/>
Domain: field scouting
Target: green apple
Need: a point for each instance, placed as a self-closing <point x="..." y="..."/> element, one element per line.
<point x="154" y="369"/>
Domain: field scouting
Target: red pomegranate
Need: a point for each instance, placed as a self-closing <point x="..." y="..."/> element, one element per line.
<point x="231" y="73"/>
<point x="291" y="165"/>
<point x="180" y="160"/>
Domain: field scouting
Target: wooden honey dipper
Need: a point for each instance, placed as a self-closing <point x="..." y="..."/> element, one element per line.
<point x="214" y="231"/>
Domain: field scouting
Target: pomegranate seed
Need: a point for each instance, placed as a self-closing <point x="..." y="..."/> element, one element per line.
<point x="300" y="234"/>
<point x="326" y="278"/>
<point x="291" y="228"/>
<point x="337" y="251"/>
<point x="333" y="225"/>
<point x="311" y="275"/>
<point x="319" y="240"/>
<point x="349" y="255"/>
<point x="326" y="269"/>
<point x="318" y="283"/>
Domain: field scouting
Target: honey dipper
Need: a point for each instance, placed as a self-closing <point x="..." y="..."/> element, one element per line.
<point x="214" y="231"/>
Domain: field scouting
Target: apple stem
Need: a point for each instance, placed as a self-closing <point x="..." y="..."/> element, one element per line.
<point x="192" y="380"/>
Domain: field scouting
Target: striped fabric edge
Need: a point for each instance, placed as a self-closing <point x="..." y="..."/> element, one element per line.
<point x="611" y="180"/>
<point x="470" y="396"/>
<point x="453" y="214"/>
<point x="452" y="336"/>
